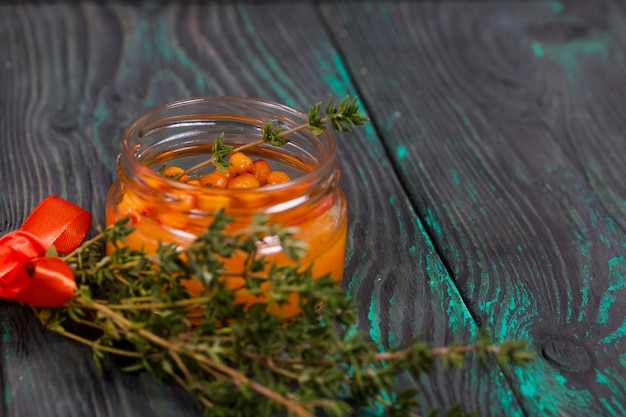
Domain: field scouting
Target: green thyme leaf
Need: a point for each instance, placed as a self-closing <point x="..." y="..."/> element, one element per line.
<point x="271" y="134"/>
<point x="220" y="152"/>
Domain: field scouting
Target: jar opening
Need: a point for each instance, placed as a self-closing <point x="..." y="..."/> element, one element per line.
<point x="183" y="132"/>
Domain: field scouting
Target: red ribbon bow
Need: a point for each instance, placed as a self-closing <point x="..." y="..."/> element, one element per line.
<point x="26" y="274"/>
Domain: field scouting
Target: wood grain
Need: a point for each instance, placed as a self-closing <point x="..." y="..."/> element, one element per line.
<point x="74" y="75"/>
<point x="503" y="122"/>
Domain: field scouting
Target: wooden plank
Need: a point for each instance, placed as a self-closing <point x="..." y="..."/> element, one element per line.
<point x="503" y="121"/>
<point x="73" y="76"/>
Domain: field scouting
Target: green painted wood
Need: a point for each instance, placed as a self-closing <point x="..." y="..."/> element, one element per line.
<point x="72" y="76"/>
<point x="504" y="123"/>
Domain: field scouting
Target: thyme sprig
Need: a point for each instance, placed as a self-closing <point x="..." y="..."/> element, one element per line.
<point x="241" y="358"/>
<point x="342" y="116"/>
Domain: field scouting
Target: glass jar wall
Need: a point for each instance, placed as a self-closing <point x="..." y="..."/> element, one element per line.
<point x="182" y="133"/>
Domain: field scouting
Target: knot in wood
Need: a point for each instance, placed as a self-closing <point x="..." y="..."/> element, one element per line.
<point x="568" y="355"/>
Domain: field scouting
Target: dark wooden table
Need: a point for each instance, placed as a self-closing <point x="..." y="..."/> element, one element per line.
<point x="490" y="187"/>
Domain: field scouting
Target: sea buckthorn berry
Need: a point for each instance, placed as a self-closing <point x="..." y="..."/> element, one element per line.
<point x="276" y="177"/>
<point x="240" y="163"/>
<point x="173" y="219"/>
<point x="261" y="170"/>
<point x="185" y="201"/>
<point x="215" y="180"/>
<point x="174" y="172"/>
<point x="245" y="180"/>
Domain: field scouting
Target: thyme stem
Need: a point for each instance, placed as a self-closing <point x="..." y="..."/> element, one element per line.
<point x="212" y="159"/>
<point x="237" y="377"/>
<point x="95" y="345"/>
<point x="85" y="244"/>
<point x="341" y="117"/>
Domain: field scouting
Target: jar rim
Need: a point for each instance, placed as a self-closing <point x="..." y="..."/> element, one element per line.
<point x="326" y="167"/>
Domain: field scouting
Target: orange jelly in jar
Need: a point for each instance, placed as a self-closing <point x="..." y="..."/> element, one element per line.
<point x="170" y="211"/>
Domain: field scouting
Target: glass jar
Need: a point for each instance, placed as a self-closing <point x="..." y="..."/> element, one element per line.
<point x="181" y="133"/>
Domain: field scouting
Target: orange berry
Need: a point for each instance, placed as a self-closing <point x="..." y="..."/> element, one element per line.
<point x="193" y="182"/>
<point x="174" y="220"/>
<point x="184" y="201"/>
<point x="240" y="163"/>
<point x="276" y="177"/>
<point x="244" y="181"/>
<point x="174" y="172"/>
<point x="260" y="170"/>
<point x="214" y="179"/>
<point x="212" y="203"/>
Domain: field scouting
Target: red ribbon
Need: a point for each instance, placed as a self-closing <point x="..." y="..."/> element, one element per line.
<point x="26" y="274"/>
